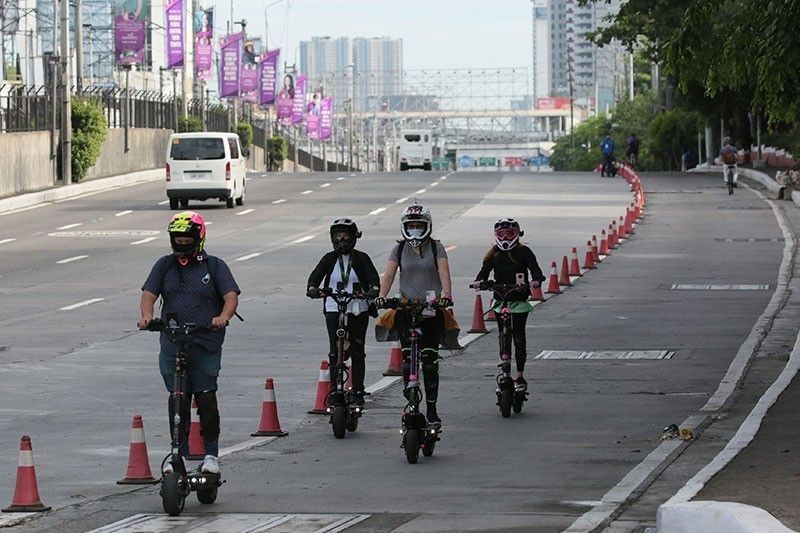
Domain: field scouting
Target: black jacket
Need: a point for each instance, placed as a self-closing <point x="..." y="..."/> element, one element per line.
<point x="507" y="265"/>
<point x="362" y="266"/>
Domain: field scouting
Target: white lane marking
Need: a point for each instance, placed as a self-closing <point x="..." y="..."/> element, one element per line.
<point x="378" y="211"/>
<point x="13" y="519"/>
<point x="249" y="256"/>
<point x="245" y="212"/>
<point x="721" y="287"/>
<point x="606" y="354"/>
<point x="20" y="210"/>
<point x="148" y="239"/>
<point x="70" y="226"/>
<point x="382" y="384"/>
<point x="71" y="259"/>
<point x="238" y="522"/>
<point x="351" y="175"/>
<point x="421" y="191"/>
<point x="209" y="222"/>
<point x="443" y="178"/>
<point x="434" y="184"/>
<point x="123" y="213"/>
<point x="309" y="191"/>
<point x="340" y="178"/>
<point x="282" y="200"/>
<point x="81" y="304"/>
<point x="165" y="202"/>
<point x="246" y="445"/>
<point x="401" y="200"/>
<point x="7" y="240"/>
<point x="324" y="185"/>
<point x="303" y="239"/>
<point x="451" y="248"/>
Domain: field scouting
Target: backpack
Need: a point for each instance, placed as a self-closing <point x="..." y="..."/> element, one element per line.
<point x="729" y="157"/>
<point x="167" y="263"/>
<point x="402" y="243"/>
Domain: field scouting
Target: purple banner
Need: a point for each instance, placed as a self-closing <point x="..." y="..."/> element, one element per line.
<point x="299" y="107"/>
<point x="173" y="15"/>
<point x="230" y="59"/>
<point x="326" y="118"/>
<point x="203" y="43"/>
<point x="267" y="75"/>
<point x="285" y="101"/>
<point x="249" y="76"/>
<point x="313" y="109"/>
<point x="129" y="30"/>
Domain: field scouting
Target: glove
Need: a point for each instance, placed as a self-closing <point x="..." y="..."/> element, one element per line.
<point x="313" y="292"/>
<point x="380" y="303"/>
<point x="372" y="293"/>
<point x="446" y="302"/>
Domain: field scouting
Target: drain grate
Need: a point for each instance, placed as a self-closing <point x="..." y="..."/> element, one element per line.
<point x="606" y="354"/>
<point x="722" y="287"/>
<point x="751" y="239"/>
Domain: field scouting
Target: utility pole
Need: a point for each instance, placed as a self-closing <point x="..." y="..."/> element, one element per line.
<point x="66" y="102"/>
<point x="79" y="83"/>
<point x="350" y="131"/>
<point x="3" y="40"/>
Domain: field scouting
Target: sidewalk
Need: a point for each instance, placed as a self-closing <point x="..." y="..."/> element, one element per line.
<point x="33" y="199"/>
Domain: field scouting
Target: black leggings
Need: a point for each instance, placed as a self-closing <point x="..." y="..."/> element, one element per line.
<point x="432" y="329"/>
<point x="518" y="322"/>
<point x="357" y="326"/>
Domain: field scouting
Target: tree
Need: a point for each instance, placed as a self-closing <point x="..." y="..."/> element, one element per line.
<point x="89" y="130"/>
<point x="278" y="152"/>
<point x="245" y="132"/>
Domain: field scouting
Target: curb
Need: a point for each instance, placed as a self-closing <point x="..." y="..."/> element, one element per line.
<point x="34" y="199"/>
<point x="717" y="517"/>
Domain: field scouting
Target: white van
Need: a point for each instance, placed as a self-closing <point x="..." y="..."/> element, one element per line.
<point x="416" y="149"/>
<point x="201" y="166"/>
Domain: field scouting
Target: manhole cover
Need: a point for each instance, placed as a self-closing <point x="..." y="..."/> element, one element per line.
<point x="118" y="234"/>
<point x="606" y="354"/>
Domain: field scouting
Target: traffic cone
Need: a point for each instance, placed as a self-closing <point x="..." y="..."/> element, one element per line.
<point x="478" y="325"/>
<point x="395" y="360"/>
<point x="323" y="389"/>
<point x="138" y="462"/>
<point x="603" y="243"/>
<point x="269" y="426"/>
<point x="563" y="279"/>
<point x="595" y="251"/>
<point x="575" y="265"/>
<point x="612" y="237"/>
<point x="628" y="222"/>
<point x="197" y="446"/>
<point x="621" y="228"/>
<point x="490" y="316"/>
<point x="588" y="262"/>
<point x="552" y="285"/>
<point x="26" y="492"/>
<point x="537" y="295"/>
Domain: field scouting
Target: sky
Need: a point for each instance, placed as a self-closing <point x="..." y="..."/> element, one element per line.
<point x="436" y="33"/>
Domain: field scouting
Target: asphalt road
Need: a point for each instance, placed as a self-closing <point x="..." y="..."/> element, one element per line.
<point x="72" y="377"/>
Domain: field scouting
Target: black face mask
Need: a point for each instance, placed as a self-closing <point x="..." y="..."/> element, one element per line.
<point x="183" y="249"/>
<point x="343" y="242"/>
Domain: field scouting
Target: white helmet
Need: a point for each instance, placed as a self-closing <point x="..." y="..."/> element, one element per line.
<point x="415" y="215"/>
<point x="507" y="233"/>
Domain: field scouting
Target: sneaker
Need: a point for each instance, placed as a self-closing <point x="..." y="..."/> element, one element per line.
<point x="210" y="465"/>
<point x="357" y="398"/>
<point x="168" y="469"/>
<point x="521" y="385"/>
<point x="431" y="414"/>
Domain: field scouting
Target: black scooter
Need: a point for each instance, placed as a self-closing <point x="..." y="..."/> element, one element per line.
<point x="179" y="483"/>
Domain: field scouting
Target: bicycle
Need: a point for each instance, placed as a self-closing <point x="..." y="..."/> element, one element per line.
<point x="509" y="396"/>
<point x="178" y="484"/>
<point x="344" y="414"/>
<point x="729" y="178"/>
<point x="418" y="434"/>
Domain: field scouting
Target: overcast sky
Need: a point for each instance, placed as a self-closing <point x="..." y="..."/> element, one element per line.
<point x="435" y="33"/>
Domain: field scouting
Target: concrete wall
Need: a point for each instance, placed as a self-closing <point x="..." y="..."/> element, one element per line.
<point x="25" y="163"/>
<point x="148" y="149"/>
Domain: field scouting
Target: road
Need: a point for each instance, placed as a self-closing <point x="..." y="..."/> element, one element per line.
<point x="74" y="370"/>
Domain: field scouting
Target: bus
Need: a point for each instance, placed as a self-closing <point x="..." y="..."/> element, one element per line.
<point x="416" y="149"/>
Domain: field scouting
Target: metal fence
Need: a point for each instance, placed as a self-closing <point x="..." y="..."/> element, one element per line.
<point x="26" y="109"/>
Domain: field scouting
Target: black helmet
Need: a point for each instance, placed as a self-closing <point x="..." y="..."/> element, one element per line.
<point x="344" y="234"/>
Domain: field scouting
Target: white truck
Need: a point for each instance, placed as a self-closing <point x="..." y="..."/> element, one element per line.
<point x="416" y="149"/>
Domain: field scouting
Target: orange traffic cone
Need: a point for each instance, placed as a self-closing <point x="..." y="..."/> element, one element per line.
<point x="552" y="285"/>
<point x="536" y="294"/>
<point x="603" y="243"/>
<point x="588" y="262"/>
<point x="269" y="426"/>
<point x="323" y="389"/>
<point x="612" y="237"/>
<point x="395" y="360"/>
<point x="26" y="492"/>
<point x="628" y="221"/>
<point x="197" y="446"/>
<point x="478" y="325"/>
<point x="621" y="228"/>
<point x="490" y="316"/>
<point x="563" y="279"/>
<point x="138" y="462"/>
<point x="575" y="265"/>
<point x="595" y="251"/>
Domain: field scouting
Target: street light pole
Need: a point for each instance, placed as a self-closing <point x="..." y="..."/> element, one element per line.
<point x="66" y="103"/>
<point x="79" y="46"/>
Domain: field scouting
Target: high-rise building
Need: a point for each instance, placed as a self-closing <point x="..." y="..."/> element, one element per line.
<point x="541" y="48"/>
<point x="325" y="61"/>
<point x="378" y="70"/>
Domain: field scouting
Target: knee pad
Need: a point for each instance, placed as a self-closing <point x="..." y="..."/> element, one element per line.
<point x="208" y="410"/>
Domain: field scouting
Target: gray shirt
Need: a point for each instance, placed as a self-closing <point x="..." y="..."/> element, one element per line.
<point x="418" y="272"/>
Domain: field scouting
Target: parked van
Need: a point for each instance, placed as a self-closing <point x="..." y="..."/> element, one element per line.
<point x="201" y="166"/>
<point x="416" y="149"/>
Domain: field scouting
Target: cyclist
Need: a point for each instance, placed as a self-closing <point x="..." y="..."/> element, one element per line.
<point x="607" y="147"/>
<point x="200" y="289"/>
<point x="730" y="159"/>
<point x="507" y="258"/>
<point x="347" y="265"/>
<point x="632" y="153"/>
<point x="424" y="267"/>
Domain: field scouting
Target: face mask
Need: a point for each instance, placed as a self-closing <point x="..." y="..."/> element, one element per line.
<point x="183" y="249"/>
<point x="342" y="242"/>
<point x="416" y="233"/>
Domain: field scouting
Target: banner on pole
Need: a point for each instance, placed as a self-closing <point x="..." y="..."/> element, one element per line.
<point x="130" y="21"/>
<point x="326" y="118"/>
<point x="299" y="107"/>
<point x="229" y="63"/>
<point x="268" y="76"/>
<point x="249" y="75"/>
<point x="203" y="43"/>
<point x="173" y="14"/>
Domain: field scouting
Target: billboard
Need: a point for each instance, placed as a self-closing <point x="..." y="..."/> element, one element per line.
<point x="268" y="76"/>
<point x="230" y="59"/>
<point x="130" y="22"/>
<point x="285" y="100"/>
<point x="203" y="43"/>
<point x="173" y="15"/>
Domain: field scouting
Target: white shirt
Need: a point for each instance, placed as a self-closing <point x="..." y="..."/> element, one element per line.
<point x="355" y="307"/>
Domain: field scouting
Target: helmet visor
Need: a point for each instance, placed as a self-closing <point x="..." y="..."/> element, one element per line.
<point x="506" y="234"/>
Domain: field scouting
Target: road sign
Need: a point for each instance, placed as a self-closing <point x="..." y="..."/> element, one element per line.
<point x="487" y="162"/>
<point x="440" y="163"/>
<point x="466" y="161"/>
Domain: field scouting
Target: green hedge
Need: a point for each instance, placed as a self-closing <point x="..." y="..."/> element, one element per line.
<point x="190" y="124"/>
<point x="245" y="132"/>
<point x="89" y="130"/>
<point x="278" y="152"/>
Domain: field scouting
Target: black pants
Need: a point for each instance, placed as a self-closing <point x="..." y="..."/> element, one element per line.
<point x="357" y="328"/>
<point x="518" y="322"/>
<point x="608" y="166"/>
<point x="432" y="329"/>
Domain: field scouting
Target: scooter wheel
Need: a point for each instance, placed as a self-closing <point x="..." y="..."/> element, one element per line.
<point x="504" y="402"/>
<point x="430" y="444"/>
<point x="412" y="446"/>
<point x="339" y="421"/>
<point x="207" y="496"/>
<point x="352" y="423"/>
<point x="173" y="496"/>
<point x="516" y="405"/>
